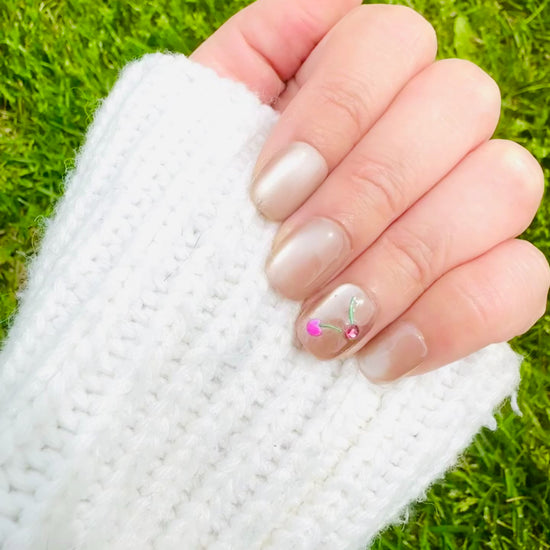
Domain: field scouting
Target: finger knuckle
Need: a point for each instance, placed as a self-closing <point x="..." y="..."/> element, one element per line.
<point x="421" y="29"/>
<point x="545" y="268"/>
<point x="482" y="304"/>
<point x="523" y="178"/>
<point x="538" y="266"/>
<point x="490" y="306"/>
<point x="535" y="280"/>
<point x="417" y="253"/>
<point x="427" y="37"/>
<point x="404" y="14"/>
<point x="413" y="29"/>
<point x="348" y="98"/>
<point x="479" y="89"/>
<point x="381" y="185"/>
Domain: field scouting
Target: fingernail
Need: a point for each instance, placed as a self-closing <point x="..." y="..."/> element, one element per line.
<point x="393" y="353"/>
<point x="307" y="257"/>
<point x="337" y="322"/>
<point x="287" y="180"/>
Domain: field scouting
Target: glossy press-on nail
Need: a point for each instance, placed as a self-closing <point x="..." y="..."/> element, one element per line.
<point x="307" y="257"/>
<point x="288" y="179"/>
<point x="393" y="353"/>
<point x="336" y="323"/>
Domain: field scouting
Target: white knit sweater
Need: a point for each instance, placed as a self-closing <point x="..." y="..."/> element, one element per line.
<point x="150" y="393"/>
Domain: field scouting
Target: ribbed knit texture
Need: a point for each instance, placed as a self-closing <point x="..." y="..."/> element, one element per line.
<point x="150" y="393"/>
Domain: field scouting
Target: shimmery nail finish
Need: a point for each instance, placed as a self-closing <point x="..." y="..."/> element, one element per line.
<point x="307" y="258"/>
<point x="336" y="323"/>
<point x="288" y="179"/>
<point x="393" y="353"/>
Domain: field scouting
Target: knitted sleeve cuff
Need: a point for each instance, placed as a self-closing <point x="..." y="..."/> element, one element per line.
<point x="150" y="393"/>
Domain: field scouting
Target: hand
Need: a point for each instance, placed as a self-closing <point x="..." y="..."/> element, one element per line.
<point x="399" y="212"/>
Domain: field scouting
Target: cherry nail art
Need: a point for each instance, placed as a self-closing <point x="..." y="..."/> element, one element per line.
<point x="337" y="322"/>
<point x="315" y="327"/>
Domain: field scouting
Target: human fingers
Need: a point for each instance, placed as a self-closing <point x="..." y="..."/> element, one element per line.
<point x="344" y="87"/>
<point x="264" y="44"/>
<point x="490" y="197"/>
<point x="487" y="300"/>
<point x="443" y="113"/>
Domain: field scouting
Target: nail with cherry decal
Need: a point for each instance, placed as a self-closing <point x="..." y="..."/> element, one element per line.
<point x="336" y="322"/>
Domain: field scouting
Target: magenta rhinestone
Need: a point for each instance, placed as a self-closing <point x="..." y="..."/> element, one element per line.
<point x="313" y="328"/>
<point x="351" y="332"/>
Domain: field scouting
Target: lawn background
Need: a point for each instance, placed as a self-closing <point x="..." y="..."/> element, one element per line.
<point x="58" y="58"/>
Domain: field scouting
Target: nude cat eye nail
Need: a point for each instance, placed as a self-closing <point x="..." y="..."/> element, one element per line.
<point x="393" y="353"/>
<point x="336" y="323"/>
<point x="287" y="180"/>
<point x="307" y="257"/>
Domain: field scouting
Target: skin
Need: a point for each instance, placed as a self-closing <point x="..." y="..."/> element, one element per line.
<point x="430" y="204"/>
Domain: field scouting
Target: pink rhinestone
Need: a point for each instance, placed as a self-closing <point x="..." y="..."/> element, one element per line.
<point x="352" y="332"/>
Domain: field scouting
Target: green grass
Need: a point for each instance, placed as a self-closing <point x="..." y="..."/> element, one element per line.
<point x="59" y="57"/>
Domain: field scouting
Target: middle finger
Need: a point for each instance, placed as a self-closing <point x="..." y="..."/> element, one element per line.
<point x="439" y="117"/>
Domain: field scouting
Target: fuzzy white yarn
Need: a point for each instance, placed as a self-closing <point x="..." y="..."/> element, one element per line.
<point x="150" y="394"/>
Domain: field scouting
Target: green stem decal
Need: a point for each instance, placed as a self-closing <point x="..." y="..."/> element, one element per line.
<point x="325" y="325"/>
<point x="351" y="312"/>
